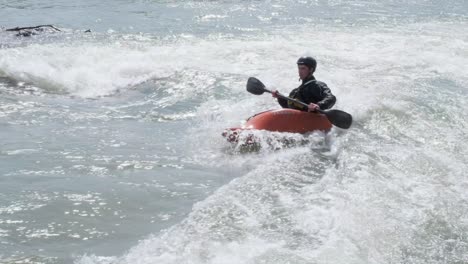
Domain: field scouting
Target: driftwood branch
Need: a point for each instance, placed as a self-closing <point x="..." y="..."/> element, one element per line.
<point x="28" y="28"/>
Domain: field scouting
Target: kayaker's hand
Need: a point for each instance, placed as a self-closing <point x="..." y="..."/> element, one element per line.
<point x="313" y="107"/>
<point x="275" y="93"/>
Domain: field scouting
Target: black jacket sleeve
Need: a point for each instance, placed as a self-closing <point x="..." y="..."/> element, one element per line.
<point x="283" y="102"/>
<point x="328" y="98"/>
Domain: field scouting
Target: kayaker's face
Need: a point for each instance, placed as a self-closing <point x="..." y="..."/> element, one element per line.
<point x="303" y="71"/>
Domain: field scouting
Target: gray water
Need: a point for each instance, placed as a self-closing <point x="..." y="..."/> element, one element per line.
<point x="111" y="147"/>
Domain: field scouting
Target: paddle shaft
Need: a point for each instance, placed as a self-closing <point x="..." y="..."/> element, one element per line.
<point x="295" y="101"/>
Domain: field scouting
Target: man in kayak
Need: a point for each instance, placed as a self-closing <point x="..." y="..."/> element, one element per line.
<point x="312" y="92"/>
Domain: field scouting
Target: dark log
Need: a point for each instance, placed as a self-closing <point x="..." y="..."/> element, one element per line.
<point x="28" y="28"/>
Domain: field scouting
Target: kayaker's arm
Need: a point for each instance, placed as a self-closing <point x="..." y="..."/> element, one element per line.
<point x="283" y="102"/>
<point x="328" y="98"/>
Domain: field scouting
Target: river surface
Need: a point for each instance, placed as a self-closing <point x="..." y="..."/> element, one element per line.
<point x="111" y="149"/>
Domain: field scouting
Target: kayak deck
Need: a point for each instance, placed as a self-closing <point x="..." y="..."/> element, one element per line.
<point x="281" y="120"/>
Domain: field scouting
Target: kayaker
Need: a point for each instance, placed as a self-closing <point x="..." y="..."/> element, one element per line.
<point x="312" y="92"/>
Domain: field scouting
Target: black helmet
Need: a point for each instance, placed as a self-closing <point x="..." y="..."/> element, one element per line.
<point x="307" y="61"/>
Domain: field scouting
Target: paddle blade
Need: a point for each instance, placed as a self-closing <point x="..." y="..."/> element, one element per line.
<point x="338" y="118"/>
<point x="255" y="86"/>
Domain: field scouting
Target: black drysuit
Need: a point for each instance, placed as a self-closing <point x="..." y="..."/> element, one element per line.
<point x="310" y="91"/>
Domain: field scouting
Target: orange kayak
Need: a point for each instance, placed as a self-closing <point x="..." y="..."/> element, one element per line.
<point x="282" y="120"/>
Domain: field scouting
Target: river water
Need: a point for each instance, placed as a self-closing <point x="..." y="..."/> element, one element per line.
<point x="111" y="147"/>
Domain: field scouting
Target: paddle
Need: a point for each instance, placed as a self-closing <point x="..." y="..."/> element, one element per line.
<point x="338" y="118"/>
